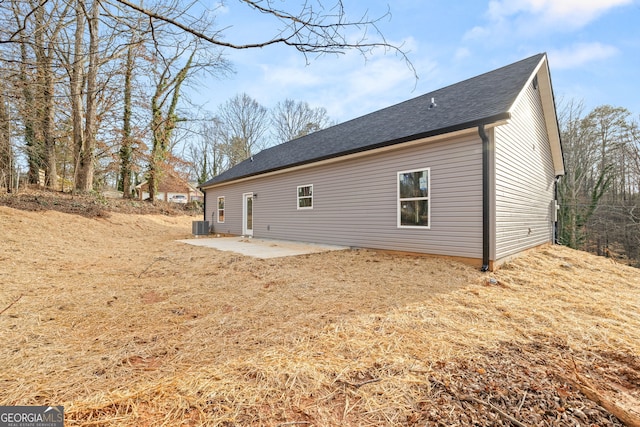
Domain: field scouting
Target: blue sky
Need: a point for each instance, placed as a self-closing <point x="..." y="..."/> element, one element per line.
<point x="593" y="48"/>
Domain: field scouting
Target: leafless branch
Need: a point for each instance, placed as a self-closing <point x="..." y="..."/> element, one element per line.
<point x="307" y="31"/>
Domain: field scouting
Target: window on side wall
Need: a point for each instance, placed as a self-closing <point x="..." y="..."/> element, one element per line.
<point x="305" y="197"/>
<point x="414" y="210"/>
<point x="221" y="209"/>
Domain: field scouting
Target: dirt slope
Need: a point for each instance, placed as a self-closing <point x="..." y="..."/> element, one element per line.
<point x="113" y="319"/>
<point x="91" y="205"/>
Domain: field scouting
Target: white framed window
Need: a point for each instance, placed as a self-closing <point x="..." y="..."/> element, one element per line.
<point x="305" y="196"/>
<point x="414" y="204"/>
<point x="221" y="209"/>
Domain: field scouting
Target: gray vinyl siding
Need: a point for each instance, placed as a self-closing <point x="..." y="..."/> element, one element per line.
<point x="355" y="201"/>
<point x="524" y="179"/>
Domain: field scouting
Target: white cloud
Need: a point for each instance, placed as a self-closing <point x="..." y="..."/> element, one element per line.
<point x="575" y="13"/>
<point x="219" y="8"/>
<point x="462" y="53"/>
<point x="580" y="54"/>
<point x="532" y="16"/>
<point x="346" y="85"/>
<point x="477" y="32"/>
<point x="290" y="75"/>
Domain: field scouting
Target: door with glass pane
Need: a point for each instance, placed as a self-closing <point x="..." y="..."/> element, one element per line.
<point x="247" y="214"/>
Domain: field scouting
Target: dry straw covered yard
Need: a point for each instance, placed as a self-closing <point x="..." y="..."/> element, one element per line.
<point x="112" y="318"/>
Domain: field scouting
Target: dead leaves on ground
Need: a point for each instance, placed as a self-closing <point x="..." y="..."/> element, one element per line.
<point x="533" y="385"/>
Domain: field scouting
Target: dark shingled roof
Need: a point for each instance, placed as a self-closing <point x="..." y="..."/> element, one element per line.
<point x="484" y="99"/>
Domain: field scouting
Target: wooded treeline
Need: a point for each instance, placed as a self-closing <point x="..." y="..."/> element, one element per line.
<point x="600" y="194"/>
<point x="243" y="127"/>
<point x="91" y="90"/>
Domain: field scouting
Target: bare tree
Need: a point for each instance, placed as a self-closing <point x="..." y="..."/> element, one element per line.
<point x="599" y="195"/>
<point x="634" y="156"/>
<point x="291" y="120"/>
<point x="126" y="149"/>
<point x="310" y="28"/>
<point x="587" y="178"/>
<point x="608" y="126"/>
<point x="85" y="40"/>
<point x="39" y="26"/>
<point x="205" y="153"/>
<point x="164" y="118"/>
<point x="244" y="125"/>
<point x="85" y="149"/>
<point x="172" y="68"/>
<point x="45" y="77"/>
<point x="75" y="70"/>
<point x="579" y="157"/>
<point x="241" y="130"/>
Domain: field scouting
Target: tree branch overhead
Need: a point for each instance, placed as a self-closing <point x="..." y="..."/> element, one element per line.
<point x="308" y="30"/>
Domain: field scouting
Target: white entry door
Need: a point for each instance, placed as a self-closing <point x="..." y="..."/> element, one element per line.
<point x="247" y="214"/>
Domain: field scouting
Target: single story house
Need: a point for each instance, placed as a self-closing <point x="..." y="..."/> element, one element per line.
<point x="466" y="171"/>
<point x="171" y="188"/>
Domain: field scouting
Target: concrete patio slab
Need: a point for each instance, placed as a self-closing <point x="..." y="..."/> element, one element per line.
<point x="262" y="248"/>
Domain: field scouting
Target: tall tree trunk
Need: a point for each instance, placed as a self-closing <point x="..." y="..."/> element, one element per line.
<point x="156" y="131"/>
<point x="6" y="153"/>
<point x="44" y="95"/>
<point x="48" y="126"/>
<point x="28" y="108"/>
<point x="39" y="108"/>
<point x="76" y="83"/>
<point x="87" y="155"/>
<point x="126" y="149"/>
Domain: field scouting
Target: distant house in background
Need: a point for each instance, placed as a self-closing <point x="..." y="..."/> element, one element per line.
<point x="171" y="188"/>
<point x="467" y="171"/>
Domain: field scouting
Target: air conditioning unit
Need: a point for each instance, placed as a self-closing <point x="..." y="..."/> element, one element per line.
<point x="200" y="228"/>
